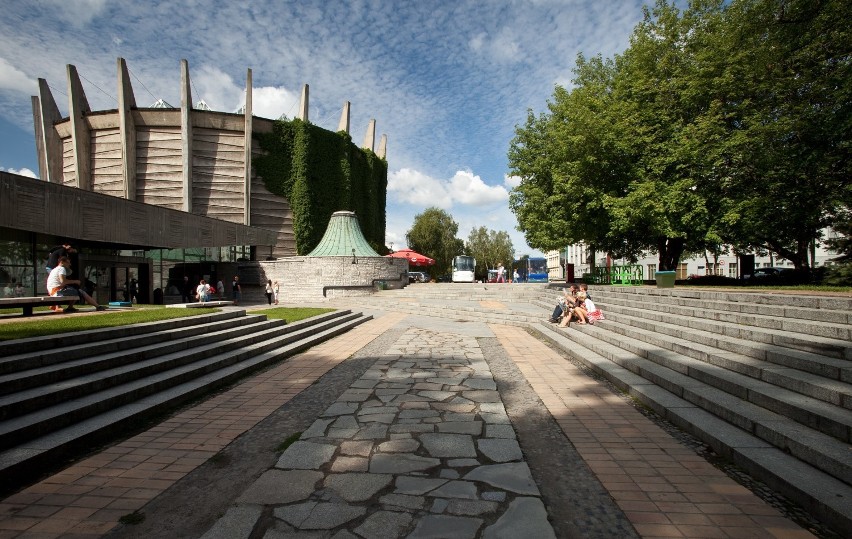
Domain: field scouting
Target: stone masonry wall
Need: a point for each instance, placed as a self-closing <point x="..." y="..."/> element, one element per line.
<point x="302" y="279"/>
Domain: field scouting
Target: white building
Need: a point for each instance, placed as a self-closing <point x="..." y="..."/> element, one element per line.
<point x="727" y="265"/>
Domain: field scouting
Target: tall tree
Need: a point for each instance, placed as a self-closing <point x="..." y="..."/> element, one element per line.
<point x="490" y="248"/>
<point x="433" y="234"/>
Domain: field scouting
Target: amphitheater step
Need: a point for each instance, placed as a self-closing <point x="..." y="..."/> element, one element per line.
<point x="40" y="438"/>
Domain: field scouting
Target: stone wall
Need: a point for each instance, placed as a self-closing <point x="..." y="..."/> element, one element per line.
<point x="305" y="279"/>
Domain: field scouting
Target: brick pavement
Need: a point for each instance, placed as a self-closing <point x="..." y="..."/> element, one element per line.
<point x="664" y="488"/>
<point x="86" y="499"/>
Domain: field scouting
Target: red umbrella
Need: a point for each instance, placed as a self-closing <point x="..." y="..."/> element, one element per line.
<point x="414" y="258"/>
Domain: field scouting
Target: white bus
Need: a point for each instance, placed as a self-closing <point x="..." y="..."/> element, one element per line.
<point x="463" y="268"/>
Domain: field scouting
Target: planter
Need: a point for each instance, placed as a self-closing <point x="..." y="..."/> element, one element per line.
<point x="665" y="279"/>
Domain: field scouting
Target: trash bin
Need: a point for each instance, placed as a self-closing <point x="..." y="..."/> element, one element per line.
<point x="158" y="296"/>
<point x="665" y="279"/>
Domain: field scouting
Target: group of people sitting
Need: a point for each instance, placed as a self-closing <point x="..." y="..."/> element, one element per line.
<point x="576" y="304"/>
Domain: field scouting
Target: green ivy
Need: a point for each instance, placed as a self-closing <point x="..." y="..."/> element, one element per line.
<point x="320" y="172"/>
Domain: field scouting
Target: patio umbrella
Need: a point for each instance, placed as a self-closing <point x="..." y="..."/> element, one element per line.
<point x="414" y="258"/>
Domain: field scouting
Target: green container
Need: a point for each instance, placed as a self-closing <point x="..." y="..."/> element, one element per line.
<point x="665" y="279"/>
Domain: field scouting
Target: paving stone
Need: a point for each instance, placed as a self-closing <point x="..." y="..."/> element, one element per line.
<point x="355" y="395"/>
<point x="461" y="400"/>
<point x="448" y="445"/>
<point x="350" y="464"/>
<point x="343" y="434"/>
<point x="436" y="395"/>
<point x="455" y="417"/>
<point x="463" y="463"/>
<point x="449" y="474"/>
<point x="525" y="517"/>
<point x="439" y="505"/>
<point x="446" y="527"/>
<point x="492" y="408"/>
<point x="371" y="432"/>
<point x="473" y="508"/>
<point x="340" y="408"/>
<point x="357" y="487"/>
<point x="408" y="445"/>
<point x="321" y="516"/>
<point x="514" y="476"/>
<point x="237" y="522"/>
<point x="317" y="429"/>
<point x="403" y="501"/>
<point x="482" y="396"/>
<point x="499" y="431"/>
<point x="417" y="414"/>
<point x="481" y="383"/>
<point x="345" y="422"/>
<point x="416" y="485"/>
<point x="501" y="419"/>
<point x="415" y="405"/>
<point x="459" y="408"/>
<point x="493" y="495"/>
<point x="411" y="427"/>
<point x="454" y="381"/>
<point x="384" y="524"/>
<point x="364" y="384"/>
<point x="400" y="463"/>
<point x="281" y="486"/>
<point x="461" y="427"/>
<point x="500" y="450"/>
<point x="343" y="534"/>
<point x="285" y="531"/>
<point x="427" y="386"/>
<point x="456" y="489"/>
<point x="361" y="448"/>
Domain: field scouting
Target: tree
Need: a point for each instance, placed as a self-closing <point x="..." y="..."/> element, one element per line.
<point x="489" y="248"/>
<point x="433" y="234"/>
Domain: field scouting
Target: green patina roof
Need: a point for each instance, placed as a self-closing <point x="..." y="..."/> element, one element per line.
<point x="342" y="236"/>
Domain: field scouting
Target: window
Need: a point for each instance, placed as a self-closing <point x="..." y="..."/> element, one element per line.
<point x="732" y="269"/>
<point x="652" y="271"/>
<point x="681" y="273"/>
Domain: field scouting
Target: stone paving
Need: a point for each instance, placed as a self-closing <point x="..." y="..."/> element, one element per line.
<point x="420" y="445"/>
<point x="446" y="429"/>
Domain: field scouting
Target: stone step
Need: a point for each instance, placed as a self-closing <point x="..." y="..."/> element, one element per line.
<point x="825" y="379"/>
<point x="30" y="371"/>
<point x="786" y="338"/>
<point x="136" y="385"/>
<point x="58" y="383"/>
<point x="79" y="343"/>
<point x="31" y="458"/>
<point x="821" y="493"/>
<point x="787" y="319"/>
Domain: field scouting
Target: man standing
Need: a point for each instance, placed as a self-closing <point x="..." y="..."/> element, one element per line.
<point x="236" y="290"/>
<point x="186" y="290"/>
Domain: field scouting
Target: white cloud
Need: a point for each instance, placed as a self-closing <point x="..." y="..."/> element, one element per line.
<point x="216" y="88"/>
<point x="20" y="172"/>
<point x="271" y="102"/>
<point x="511" y="181"/>
<point x="78" y="12"/>
<point x="12" y="78"/>
<point x="466" y="188"/>
<point x="416" y="188"/>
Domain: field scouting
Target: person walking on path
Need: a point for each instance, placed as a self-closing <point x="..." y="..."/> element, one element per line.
<point x="236" y="290"/>
<point x="270" y="291"/>
<point x="276" y="288"/>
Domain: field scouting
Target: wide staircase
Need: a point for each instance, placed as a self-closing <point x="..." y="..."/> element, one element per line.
<point x="61" y="396"/>
<point x="765" y="379"/>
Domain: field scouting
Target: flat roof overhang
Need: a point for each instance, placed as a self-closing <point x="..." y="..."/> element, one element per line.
<point x="38" y="206"/>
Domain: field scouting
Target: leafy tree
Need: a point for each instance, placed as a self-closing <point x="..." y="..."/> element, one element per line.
<point x="433" y="234"/>
<point x="489" y="248"/>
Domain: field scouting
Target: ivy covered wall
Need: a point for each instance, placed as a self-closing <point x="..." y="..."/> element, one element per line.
<point x="320" y="172"/>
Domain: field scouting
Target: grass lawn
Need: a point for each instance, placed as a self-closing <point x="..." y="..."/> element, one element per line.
<point x="291" y="314"/>
<point x="22" y="328"/>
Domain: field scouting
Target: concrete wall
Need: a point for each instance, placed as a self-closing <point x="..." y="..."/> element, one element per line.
<point x="305" y="279"/>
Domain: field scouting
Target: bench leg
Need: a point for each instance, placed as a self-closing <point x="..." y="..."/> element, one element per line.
<point x="28" y="310"/>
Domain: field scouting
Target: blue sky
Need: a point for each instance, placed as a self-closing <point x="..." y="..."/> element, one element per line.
<point x="447" y="81"/>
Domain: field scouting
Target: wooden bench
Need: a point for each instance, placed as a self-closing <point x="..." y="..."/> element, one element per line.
<point x="27" y="304"/>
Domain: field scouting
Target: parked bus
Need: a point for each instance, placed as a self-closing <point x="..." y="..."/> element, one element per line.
<point x="532" y="270"/>
<point x="463" y="268"/>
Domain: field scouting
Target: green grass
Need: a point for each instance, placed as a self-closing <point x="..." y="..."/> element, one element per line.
<point x="59" y="323"/>
<point x="291" y="314"/>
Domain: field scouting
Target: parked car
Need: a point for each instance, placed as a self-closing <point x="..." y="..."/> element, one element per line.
<point x="762" y="273"/>
<point x="418" y="277"/>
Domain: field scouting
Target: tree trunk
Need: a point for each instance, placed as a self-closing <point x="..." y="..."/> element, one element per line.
<point x="670" y="250"/>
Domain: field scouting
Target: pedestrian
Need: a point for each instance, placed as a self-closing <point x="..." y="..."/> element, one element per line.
<point x="220" y="289"/>
<point x="202" y="291"/>
<point x="276" y="288"/>
<point x="515" y="276"/>
<point x="270" y="291"/>
<point x="186" y="290"/>
<point x="501" y="274"/>
<point x="134" y="291"/>
<point x="59" y="285"/>
<point x="236" y="290"/>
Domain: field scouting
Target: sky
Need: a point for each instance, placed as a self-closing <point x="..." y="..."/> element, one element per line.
<point x="446" y="81"/>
